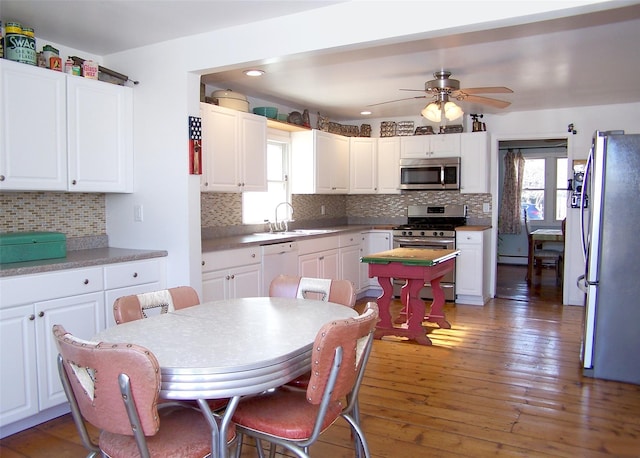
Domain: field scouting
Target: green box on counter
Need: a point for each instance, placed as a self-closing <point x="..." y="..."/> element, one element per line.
<point x="31" y="246"/>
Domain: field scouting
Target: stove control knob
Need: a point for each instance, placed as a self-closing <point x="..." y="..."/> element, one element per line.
<point x="422" y="233"/>
<point x="441" y="234"/>
<point x="435" y="234"/>
<point x="409" y="233"/>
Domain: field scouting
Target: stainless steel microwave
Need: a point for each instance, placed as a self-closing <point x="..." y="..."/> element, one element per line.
<point x="430" y="174"/>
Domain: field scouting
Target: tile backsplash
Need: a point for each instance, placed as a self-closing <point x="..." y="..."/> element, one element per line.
<point x="74" y="214"/>
<point x="222" y="209"/>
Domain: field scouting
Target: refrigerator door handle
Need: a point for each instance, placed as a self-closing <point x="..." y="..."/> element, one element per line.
<point x="583" y="191"/>
<point x="581" y="283"/>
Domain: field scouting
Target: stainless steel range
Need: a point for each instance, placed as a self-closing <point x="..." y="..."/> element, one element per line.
<point x="432" y="227"/>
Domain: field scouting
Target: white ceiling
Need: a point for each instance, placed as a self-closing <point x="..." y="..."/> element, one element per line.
<point x="591" y="59"/>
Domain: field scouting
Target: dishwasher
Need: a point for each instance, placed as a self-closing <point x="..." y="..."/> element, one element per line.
<point x="278" y="258"/>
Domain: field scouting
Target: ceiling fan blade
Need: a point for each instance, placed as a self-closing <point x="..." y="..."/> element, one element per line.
<point x="414" y="90"/>
<point x="486" y="101"/>
<point x="398" y="100"/>
<point x="486" y="90"/>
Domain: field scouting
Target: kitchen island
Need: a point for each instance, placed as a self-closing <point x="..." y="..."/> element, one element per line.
<point x="418" y="266"/>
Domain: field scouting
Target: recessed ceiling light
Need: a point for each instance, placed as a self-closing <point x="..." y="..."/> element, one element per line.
<point x="365" y="112"/>
<point x="254" y="72"/>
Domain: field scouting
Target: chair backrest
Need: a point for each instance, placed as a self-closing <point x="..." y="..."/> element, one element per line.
<point x="338" y="291"/>
<point x="138" y="306"/>
<point x="340" y="353"/>
<point x="90" y="372"/>
<point x="526" y="222"/>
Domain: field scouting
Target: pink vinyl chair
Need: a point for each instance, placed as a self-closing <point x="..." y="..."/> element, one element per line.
<point x="137" y="306"/>
<point x="116" y="387"/>
<point x="338" y="291"/>
<point x="295" y="418"/>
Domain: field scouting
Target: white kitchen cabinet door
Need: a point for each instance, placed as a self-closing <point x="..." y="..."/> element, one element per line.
<point x="253" y="145"/>
<point x="474" y="163"/>
<point x="350" y="264"/>
<point x="220" y="149"/>
<point x="234" y="149"/>
<point x="363" y="165"/>
<point x="243" y="281"/>
<point x="319" y="163"/>
<point x="388" y="165"/>
<point x="375" y="242"/>
<point x="82" y="316"/>
<point x="332" y="163"/>
<point x="100" y="136"/>
<point x="428" y="146"/>
<point x="33" y="128"/>
<point x="323" y="264"/>
<point x="472" y="267"/>
<point x="18" y="374"/>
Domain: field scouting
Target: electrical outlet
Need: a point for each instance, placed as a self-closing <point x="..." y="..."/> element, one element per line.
<point x="322" y="211"/>
<point x="486" y="207"/>
<point x="137" y="213"/>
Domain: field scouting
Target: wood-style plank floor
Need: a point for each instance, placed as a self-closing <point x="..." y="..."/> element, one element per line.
<point x="505" y="380"/>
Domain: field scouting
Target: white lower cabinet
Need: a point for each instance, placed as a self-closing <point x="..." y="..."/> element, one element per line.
<point x="136" y="277"/>
<point x="319" y="257"/>
<point x="230" y="274"/>
<point x="31" y="305"/>
<point x="30" y="388"/>
<point x="472" y="267"/>
<point x="349" y="253"/>
<point x="375" y="241"/>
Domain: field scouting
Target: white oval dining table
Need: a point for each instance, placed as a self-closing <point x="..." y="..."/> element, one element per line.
<point x="229" y="349"/>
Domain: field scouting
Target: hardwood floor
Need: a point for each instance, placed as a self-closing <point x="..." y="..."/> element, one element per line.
<point x="505" y="380"/>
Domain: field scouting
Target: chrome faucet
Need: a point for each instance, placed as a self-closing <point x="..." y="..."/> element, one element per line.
<point x="283" y="225"/>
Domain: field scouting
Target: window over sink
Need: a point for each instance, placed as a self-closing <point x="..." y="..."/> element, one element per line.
<point x="258" y="207"/>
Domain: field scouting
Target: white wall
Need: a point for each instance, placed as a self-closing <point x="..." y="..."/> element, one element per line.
<point x="169" y="92"/>
<point x="553" y="124"/>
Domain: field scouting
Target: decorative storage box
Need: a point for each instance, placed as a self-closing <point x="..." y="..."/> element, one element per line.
<point x="31" y="246"/>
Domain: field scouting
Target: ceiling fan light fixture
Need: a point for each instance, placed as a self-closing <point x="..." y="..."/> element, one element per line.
<point x="432" y="112"/>
<point x="452" y="111"/>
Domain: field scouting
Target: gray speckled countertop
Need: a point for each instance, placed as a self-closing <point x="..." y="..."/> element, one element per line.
<point x="266" y="238"/>
<point x="77" y="259"/>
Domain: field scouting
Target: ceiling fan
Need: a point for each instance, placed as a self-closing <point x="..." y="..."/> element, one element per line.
<point x="443" y="88"/>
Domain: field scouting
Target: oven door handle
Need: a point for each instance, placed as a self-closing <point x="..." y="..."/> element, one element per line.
<point x="419" y="242"/>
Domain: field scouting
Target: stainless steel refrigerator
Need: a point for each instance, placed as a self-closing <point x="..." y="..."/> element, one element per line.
<point x="611" y="244"/>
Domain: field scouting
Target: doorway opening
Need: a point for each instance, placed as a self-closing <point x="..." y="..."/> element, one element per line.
<point x="542" y="195"/>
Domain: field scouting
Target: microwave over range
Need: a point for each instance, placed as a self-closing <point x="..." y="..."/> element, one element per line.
<point x="430" y="173"/>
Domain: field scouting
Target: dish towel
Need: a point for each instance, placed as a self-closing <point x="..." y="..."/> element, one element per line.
<point x="155" y="299"/>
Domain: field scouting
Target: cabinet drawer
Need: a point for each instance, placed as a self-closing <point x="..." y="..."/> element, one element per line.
<point x="131" y="274"/>
<point x="215" y="260"/>
<point x="469" y="237"/>
<point x="24" y="289"/>
<point x="314" y="245"/>
<point x="350" y="239"/>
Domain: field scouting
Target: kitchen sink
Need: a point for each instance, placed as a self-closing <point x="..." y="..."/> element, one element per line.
<point x="311" y="231"/>
<point x="294" y="232"/>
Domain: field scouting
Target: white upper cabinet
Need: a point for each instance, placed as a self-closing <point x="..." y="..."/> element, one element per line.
<point x="388" y="165"/>
<point x="100" y="136"/>
<point x="363" y="165"/>
<point x="234" y="146"/>
<point x="426" y="146"/>
<point x="33" y="128"/>
<point x="474" y="163"/>
<point x="320" y="163"/>
<point x="63" y="133"/>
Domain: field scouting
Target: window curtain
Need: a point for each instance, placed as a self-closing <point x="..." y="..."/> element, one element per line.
<point x="510" y="213"/>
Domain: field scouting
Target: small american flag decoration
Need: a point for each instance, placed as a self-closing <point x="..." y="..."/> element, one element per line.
<point x="195" y="145"/>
